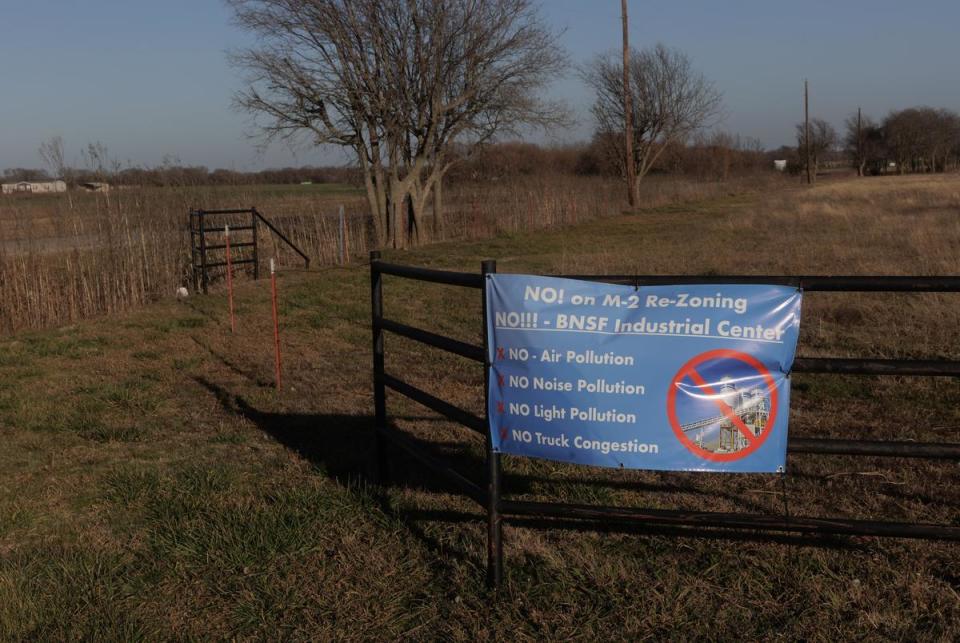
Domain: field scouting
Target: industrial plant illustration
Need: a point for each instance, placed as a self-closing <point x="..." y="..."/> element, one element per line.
<point x="719" y="434"/>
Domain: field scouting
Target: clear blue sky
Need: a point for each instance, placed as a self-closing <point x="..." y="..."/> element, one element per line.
<point x="150" y="79"/>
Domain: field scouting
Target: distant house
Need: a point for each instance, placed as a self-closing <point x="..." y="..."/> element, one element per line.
<point x="780" y="165"/>
<point x="95" y="186"/>
<point x="33" y="187"/>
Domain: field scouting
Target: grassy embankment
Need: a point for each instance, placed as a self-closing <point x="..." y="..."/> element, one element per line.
<point x="153" y="484"/>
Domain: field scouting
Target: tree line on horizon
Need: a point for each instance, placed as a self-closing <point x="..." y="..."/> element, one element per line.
<point x="912" y="140"/>
<point x="908" y="141"/>
<point x="710" y="156"/>
<point x="188" y="175"/>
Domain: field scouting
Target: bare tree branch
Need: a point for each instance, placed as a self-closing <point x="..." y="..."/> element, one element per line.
<point x="398" y="81"/>
<point x="670" y="102"/>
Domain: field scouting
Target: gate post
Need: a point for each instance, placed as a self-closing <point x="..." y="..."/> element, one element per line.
<point x="203" y="249"/>
<point x="193" y="252"/>
<point x="256" y="248"/>
<point x="494" y="520"/>
<point x="379" y="389"/>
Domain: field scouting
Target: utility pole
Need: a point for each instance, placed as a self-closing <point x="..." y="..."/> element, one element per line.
<point x="633" y="195"/>
<point x="806" y="128"/>
<point x="859" y="142"/>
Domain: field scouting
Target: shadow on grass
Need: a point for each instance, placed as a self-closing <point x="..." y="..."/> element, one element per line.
<point x="343" y="446"/>
<point x="232" y="366"/>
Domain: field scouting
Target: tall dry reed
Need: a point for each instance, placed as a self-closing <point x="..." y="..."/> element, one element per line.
<point x="62" y="259"/>
<point x="112" y="252"/>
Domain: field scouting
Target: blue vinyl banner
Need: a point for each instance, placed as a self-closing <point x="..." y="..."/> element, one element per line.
<point x="673" y="378"/>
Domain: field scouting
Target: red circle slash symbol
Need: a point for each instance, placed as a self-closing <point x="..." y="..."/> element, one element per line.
<point x="732" y="417"/>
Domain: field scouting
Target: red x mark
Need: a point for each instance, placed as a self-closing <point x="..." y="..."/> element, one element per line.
<point x="500" y="354"/>
<point x="688" y="371"/>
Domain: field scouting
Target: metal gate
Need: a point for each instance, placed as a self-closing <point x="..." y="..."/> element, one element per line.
<point x="208" y="245"/>
<point x="490" y="494"/>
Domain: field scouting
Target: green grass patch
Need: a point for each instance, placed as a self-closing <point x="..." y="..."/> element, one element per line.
<point x="14" y="515"/>
<point x="127" y="485"/>
<point x="179" y="323"/>
<point x="186" y="364"/>
<point x="56" y="592"/>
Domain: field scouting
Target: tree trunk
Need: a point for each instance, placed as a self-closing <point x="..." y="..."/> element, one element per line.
<point x="377" y="212"/>
<point x="376" y="188"/>
<point x="414" y="212"/>
<point x="398" y="237"/>
<point x="438" y="222"/>
<point x="419" y="196"/>
<point x="382" y="200"/>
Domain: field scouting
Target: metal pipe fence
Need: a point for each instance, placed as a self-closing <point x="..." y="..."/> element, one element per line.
<point x="500" y="509"/>
<point x="246" y="220"/>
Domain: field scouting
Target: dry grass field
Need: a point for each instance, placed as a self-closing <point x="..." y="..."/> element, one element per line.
<point x="154" y="485"/>
<point x="69" y="257"/>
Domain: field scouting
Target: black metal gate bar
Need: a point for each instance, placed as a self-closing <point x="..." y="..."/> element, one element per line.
<point x="878" y="448"/>
<point x="432" y="339"/>
<point x="199" y="246"/>
<point x="500" y="510"/>
<point x="379" y="378"/>
<point x="232" y="245"/>
<point x="494" y="466"/>
<point x="221" y="228"/>
<point x="447" y="277"/>
<point x="463" y="484"/>
<point x="256" y="216"/>
<point x="914" y="284"/>
<point x="193" y="249"/>
<point x="235" y="262"/>
<point x="256" y="247"/>
<point x="720" y="520"/>
<point x="905" y="367"/>
<point x="433" y="403"/>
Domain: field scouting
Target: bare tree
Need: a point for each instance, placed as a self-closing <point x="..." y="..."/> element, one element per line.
<point x="823" y="138"/>
<point x="53" y="156"/>
<point x="949" y="132"/>
<point x="17" y="174"/>
<point x="400" y="82"/>
<point x="922" y="138"/>
<point x="863" y="144"/>
<point x="96" y="157"/>
<point x="670" y="102"/>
